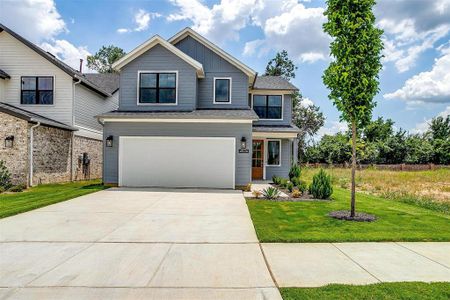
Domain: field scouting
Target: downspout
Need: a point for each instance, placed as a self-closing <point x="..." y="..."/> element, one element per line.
<point x="73" y="134"/>
<point x="31" y="152"/>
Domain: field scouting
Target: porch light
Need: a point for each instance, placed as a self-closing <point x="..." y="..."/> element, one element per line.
<point x="243" y="143"/>
<point x="9" y="141"/>
<point x="109" y="141"/>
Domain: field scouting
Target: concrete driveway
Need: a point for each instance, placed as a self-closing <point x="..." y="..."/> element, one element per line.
<point x="130" y="243"/>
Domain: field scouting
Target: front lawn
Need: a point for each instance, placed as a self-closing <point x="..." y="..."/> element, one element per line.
<point x="46" y="194"/>
<point x="309" y="221"/>
<point x="393" y="290"/>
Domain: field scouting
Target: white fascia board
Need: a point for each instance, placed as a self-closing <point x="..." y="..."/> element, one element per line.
<point x="88" y="133"/>
<point x="189" y="32"/>
<point x="274" y="135"/>
<point x="152" y="42"/>
<point x="142" y="120"/>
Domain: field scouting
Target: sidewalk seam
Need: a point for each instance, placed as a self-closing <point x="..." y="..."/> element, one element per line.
<point x="397" y="243"/>
<point x="268" y="266"/>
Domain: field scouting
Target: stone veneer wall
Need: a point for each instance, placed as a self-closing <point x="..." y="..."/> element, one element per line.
<point x="16" y="158"/>
<point x="51" y="155"/>
<point x="94" y="149"/>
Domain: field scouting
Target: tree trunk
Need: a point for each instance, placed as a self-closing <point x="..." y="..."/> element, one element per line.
<point x="352" y="209"/>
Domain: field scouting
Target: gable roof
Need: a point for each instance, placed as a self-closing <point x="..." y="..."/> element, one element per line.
<point x="273" y="83"/>
<point x="152" y="42"/>
<point x="190" y="32"/>
<point x="107" y="81"/>
<point x="4" y="75"/>
<point x="51" y="58"/>
<point x="32" y="117"/>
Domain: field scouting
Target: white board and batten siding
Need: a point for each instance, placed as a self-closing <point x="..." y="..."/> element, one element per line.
<point x="204" y="162"/>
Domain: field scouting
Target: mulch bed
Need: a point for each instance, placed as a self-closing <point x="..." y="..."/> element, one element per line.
<point x="303" y="198"/>
<point x="345" y="215"/>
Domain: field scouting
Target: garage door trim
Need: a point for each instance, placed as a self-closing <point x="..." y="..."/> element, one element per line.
<point x="122" y="138"/>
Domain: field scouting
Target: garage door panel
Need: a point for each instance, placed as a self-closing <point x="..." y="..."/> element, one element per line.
<point x="177" y="162"/>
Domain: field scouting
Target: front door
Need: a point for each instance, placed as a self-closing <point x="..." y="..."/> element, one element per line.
<point x="258" y="159"/>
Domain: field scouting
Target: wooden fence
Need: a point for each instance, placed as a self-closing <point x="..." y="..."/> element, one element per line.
<point x="396" y="167"/>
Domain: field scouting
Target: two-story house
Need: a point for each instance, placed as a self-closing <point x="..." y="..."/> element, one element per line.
<point x="191" y="115"/>
<point x="48" y="132"/>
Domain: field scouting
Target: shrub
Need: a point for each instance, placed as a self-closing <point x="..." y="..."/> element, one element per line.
<point x="257" y="194"/>
<point x="276" y="179"/>
<point x="321" y="187"/>
<point x="5" y="176"/>
<point x="17" y="188"/>
<point x="295" y="181"/>
<point x="296" y="194"/>
<point x="271" y="193"/>
<point x="2" y="189"/>
<point x="303" y="187"/>
<point x="290" y="186"/>
<point x="283" y="182"/>
<point x="294" y="172"/>
<point x="248" y="187"/>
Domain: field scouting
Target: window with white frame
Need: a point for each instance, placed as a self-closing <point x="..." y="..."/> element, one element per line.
<point x="268" y="106"/>
<point x="273" y="152"/>
<point x="222" y="90"/>
<point x="157" y="88"/>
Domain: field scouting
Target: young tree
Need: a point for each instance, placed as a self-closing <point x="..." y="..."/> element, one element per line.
<point x="104" y="58"/>
<point x="440" y="128"/>
<point x="352" y="76"/>
<point x="282" y="66"/>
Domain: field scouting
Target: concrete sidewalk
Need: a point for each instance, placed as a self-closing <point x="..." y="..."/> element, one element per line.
<point x="318" y="264"/>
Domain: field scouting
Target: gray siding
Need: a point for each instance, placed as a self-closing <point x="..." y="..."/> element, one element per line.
<point x="215" y="66"/>
<point x="287" y="113"/>
<point x="158" y="59"/>
<point x="283" y="170"/>
<point x="89" y="104"/>
<point x="110" y="158"/>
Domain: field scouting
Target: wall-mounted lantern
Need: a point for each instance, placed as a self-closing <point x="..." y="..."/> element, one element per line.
<point x="243" y="143"/>
<point x="9" y="141"/>
<point x="109" y="141"/>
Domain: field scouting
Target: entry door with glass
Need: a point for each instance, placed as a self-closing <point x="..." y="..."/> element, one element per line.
<point x="258" y="159"/>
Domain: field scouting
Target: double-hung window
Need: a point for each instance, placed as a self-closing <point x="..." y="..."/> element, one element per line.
<point x="273" y="152"/>
<point x="36" y="90"/>
<point x="222" y="90"/>
<point x="268" y="106"/>
<point x="157" y="88"/>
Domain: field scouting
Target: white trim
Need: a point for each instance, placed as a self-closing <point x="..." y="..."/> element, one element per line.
<point x="156" y="104"/>
<point x="280" y="135"/>
<point x="214" y="90"/>
<point x="282" y="106"/>
<point x="267" y="156"/>
<point x="121" y="138"/>
<point x="150" y="43"/>
<point x="189" y="32"/>
<point x="89" y="133"/>
<point x="37" y="105"/>
<point x="270" y="92"/>
<point x="138" y="120"/>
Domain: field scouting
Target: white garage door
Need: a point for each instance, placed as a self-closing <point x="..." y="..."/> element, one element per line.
<point x="176" y="162"/>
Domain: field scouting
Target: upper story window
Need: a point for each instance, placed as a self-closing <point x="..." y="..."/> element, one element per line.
<point x="37" y="90"/>
<point x="222" y="90"/>
<point x="269" y="107"/>
<point x="157" y="88"/>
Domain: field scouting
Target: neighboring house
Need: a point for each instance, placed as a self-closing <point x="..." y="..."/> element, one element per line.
<point x="47" y="111"/>
<point x="191" y="115"/>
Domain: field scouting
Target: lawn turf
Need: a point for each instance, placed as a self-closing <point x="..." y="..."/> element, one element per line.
<point x="43" y="195"/>
<point x="392" y="290"/>
<point x="309" y="221"/>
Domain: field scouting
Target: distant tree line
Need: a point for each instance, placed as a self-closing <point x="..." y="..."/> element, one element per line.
<point x="381" y="144"/>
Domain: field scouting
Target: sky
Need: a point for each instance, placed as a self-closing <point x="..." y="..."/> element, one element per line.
<point x="414" y="82"/>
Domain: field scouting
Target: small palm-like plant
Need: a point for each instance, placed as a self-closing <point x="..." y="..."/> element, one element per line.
<point x="276" y="179"/>
<point x="271" y="193"/>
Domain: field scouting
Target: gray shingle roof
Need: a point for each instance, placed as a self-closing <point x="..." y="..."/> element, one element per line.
<point x="109" y="82"/>
<point x="232" y="114"/>
<point x="51" y="58"/>
<point x="3" y="74"/>
<point x="273" y="83"/>
<point x="276" y="128"/>
<point x="32" y="117"/>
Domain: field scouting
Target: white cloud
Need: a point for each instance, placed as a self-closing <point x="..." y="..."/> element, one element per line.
<point x="36" y="20"/>
<point x="142" y="20"/>
<point x="40" y="22"/>
<point x="423" y="127"/>
<point x="332" y="128"/>
<point x="428" y="86"/>
<point x="411" y="28"/>
<point x="286" y="24"/>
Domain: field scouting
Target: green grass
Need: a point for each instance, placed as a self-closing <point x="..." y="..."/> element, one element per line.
<point x="309" y="221"/>
<point x="393" y="290"/>
<point x="43" y="195"/>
